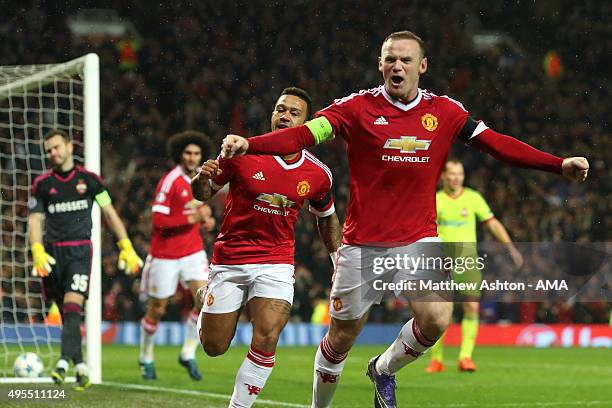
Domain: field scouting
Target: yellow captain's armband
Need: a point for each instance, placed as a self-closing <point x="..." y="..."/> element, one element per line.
<point x="321" y="129"/>
<point x="103" y="199"/>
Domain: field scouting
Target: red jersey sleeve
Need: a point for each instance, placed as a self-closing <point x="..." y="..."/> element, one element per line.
<point x="323" y="207"/>
<point x="455" y="115"/>
<point x="322" y="201"/>
<point x="229" y="168"/>
<point x="514" y="152"/>
<point x="163" y="213"/>
<point x="503" y="147"/>
<point x="341" y="114"/>
<point x="282" y="142"/>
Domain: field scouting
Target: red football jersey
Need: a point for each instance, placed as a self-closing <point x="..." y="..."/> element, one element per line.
<point x="396" y="152"/>
<point x="173" y="237"/>
<point x="262" y="206"/>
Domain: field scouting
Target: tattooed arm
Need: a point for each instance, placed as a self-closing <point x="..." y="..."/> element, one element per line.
<point x="330" y="232"/>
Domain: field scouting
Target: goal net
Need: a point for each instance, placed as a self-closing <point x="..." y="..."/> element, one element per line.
<point x="33" y="100"/>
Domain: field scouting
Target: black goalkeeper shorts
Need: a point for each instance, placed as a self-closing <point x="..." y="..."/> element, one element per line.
<point x="71" y="270"/>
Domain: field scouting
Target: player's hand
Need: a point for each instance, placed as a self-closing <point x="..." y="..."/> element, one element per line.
<point x="575" y="168"/>
<point x="209" y="223"/>
<point x="200" y="187"/>
<point x="42" y="261"/>
<point x="209" y="170"/>
<point x="205" y="215"/>
<point x="234" y="146"/>
<point x="129" y="261"/>
<point x="199" y="298"/>
<point x="516" y="256"/>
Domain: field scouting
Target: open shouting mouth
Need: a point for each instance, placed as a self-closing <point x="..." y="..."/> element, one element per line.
<point x="397" y="81"/>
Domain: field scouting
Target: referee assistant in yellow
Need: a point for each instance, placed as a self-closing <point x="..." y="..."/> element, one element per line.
<point x="458" y="209"/>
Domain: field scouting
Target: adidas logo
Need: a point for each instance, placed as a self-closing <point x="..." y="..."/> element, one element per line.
<point x="52" y="191"/>
<point x="259" y="176"/>
<point x="381" y="121"/>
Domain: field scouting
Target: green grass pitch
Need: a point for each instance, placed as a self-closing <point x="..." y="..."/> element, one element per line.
<point x="506" y="377"/>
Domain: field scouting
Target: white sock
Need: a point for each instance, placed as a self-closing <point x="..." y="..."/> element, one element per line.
<point x="328" y="366"/>
<point x="192" y="339"/>
<point x="407" y="347"/>
<point x="81" y="369"/>
<point x="251" y="378"/>
<point x="147" y="340"/>
<point x="63" y="364"/>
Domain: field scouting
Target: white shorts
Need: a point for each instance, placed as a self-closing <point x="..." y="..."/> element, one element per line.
<point x="161" y="276"/>
<point x="231" y="286"/>
<point x="353" y="290"/>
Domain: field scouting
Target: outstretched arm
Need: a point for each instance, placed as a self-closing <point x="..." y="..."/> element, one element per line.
<point x="514" y="152"/>
<point x="281" y="142"/>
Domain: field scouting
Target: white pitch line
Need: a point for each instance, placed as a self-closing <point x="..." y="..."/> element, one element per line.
<point x="552" y="366"/>
<point x="197" y="393"/>
<point x="519" y="404"/>
<point x="37" y="380"/>
<point x="502" y="404"/>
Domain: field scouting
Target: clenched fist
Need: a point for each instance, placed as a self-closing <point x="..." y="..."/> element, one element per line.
<point x="200" y="187"/>
<point x="575" y="168"/>
<point x="210" y="169"/>
<point x="234" y="146"/>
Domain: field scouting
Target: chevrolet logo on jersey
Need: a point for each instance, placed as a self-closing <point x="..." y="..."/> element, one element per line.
<point x="275" y="200"/>
<point x="407" y="144"/>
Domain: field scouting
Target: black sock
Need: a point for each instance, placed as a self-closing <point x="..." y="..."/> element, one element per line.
<point x="71" y="333"/>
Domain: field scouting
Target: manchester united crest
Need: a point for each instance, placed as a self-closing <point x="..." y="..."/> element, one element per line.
<point x="429" y="122"/>
<point x="337" y="304"/>
<point x="81" y="187"/>
<point x="303" y="188"/>
<point x="210" y="300"/>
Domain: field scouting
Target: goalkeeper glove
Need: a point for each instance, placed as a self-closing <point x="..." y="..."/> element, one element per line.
<point x="129" y="261"/>
<point x="42" y="260"/>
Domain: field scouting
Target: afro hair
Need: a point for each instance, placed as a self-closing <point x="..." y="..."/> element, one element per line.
<point x="179" y="141"/>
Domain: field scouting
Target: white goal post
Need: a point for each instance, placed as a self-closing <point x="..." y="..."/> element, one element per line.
<point x="33" y="100"/>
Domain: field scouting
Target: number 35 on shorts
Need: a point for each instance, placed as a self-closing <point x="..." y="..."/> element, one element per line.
<point x="79" y="283"/>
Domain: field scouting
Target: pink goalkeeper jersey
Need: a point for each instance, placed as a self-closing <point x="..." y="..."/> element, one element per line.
<point x="265" y="197"/>
<point x="396" y="152"/>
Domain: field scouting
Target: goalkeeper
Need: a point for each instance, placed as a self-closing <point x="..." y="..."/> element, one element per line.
<point x="63" y="197"/>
